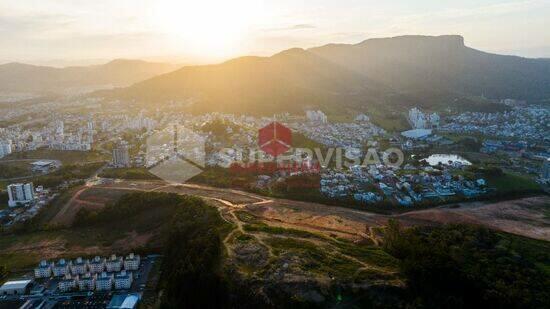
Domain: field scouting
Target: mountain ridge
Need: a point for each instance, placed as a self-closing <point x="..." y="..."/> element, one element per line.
<point x="390" y="74"/>
<point x="17" y="76"/>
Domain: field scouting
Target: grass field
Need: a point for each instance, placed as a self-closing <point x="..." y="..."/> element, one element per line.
<point x="14" y="169"/>
<point x="513" y="184"/>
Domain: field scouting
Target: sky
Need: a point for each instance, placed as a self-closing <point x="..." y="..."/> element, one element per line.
<point x="79" y="32"/>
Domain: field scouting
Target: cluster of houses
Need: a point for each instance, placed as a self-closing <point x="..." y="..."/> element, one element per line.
<point x="346" y="135"/>
<point x="528" y="123"/>
<point x="375" y="183"/>
<point x="100" y="274"/>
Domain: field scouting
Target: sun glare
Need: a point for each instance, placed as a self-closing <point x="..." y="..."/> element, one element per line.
<point x="207" y="28"/>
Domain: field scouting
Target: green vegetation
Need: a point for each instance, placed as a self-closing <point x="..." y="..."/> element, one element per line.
<point x="458" y="266"/>
<point x="512" y="184"/>
<point x="14" y="169"/>
<point x="223" y="178"/>
<point x="68" y="173"/>
<point x="276" y="230"/>
<point x="130" y="205"/>
<point x="142" y="213"/>
<point x="133" y="173"/>
<point x="191" y="271"/>
<point x="299" y="140"/>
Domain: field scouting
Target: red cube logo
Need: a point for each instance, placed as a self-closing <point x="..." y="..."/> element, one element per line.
<point x="275" y="139"/>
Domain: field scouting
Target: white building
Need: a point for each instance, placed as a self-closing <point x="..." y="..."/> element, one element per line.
<point x="44" y="270"/>
<point x="97" y="265"/>
<point x="86" y="282"/>
<point x="113" y="264"/>
<point x="5" y="149"/>
<point x="131" y="262"/>
<point x="434" y="120"/>
<point x="61" y="268"/>
<point x="121" y="157"/>
<point x="104" y="282"/>
<point x="79" y="266"/>
<point x="123" y="280"/>
<point x="417" y="133"/>
<point x="68" y="283"/>
<point x="20" y="194"/>
<point x="15" y="287"/>
<point x="316" y="116"/>
<point x="362" y="118"/>
<point x="419" y="120"/>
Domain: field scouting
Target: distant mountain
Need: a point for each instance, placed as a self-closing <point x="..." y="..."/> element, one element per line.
<point x="288" y="81"/>
<point x="415" y="64"/>
<point x="393" y="74"/>
<point x="19" y="77"/>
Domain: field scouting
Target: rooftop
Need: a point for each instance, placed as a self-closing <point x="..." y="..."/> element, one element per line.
<point x="15" y="284"/>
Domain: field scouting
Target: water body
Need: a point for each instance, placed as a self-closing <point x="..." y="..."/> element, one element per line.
<point x="434" y="159"/>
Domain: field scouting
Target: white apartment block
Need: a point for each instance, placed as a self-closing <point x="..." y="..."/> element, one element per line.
<point x="97" y="265"/>
<point x="5" y="149"/>
<point x="79" y="266"/>
<point x="123" y="280"/>
<point x="113" y="264"/>
<point x="44" y="270"/>
<point x="419" y="120"/>
<point x="121" y="157"/>
<point x="131" y="262"/>
<point x="86" y="282"/>
<point x="104" y="282"/>
<point x="316" y="116"/>
<point x="67" y="284"/>
<point x="20" y="193"/>
<point x="61" y="268"/>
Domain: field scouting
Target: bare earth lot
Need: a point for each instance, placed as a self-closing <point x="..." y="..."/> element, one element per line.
<point x="528" y="217"/>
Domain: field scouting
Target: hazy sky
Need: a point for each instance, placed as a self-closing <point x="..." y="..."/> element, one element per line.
<point x="87" y="31"/>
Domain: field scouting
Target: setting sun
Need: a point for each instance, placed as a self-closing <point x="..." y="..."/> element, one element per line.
<point x="211" y="28"/>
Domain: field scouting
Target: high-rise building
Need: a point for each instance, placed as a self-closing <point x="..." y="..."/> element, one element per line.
<point x="316" y="116"/>
<point x="121" y="157"/>
<point x="419" y="120"/>
<point x="20" y="193"/>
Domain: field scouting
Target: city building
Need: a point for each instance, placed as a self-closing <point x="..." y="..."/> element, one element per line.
<point x="362" y="117"/>
<point x="79" y="266"/>
<point x="114" y="263"/>
<point x="121" y="157"/>
<point x="15" y="287"/>
<point x="97" y="265"/>
<point x="123" y="280"/>
<point x="42" y="166"/>
<point x="86" y="282"/>
<point x="316" y="116"/>
<point x="68" y="283"/>
<point x="61" y="268"/>
<point x="124" y="301"/>
<point x="417" y="133"/>
<point x="104" y="282"/>
<point x="5" y="149"/>
<point x="44" y="270"/>
<point x="20" y="194"/>
<point x="131" y="262"/>
<point x="419" y="120"/>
